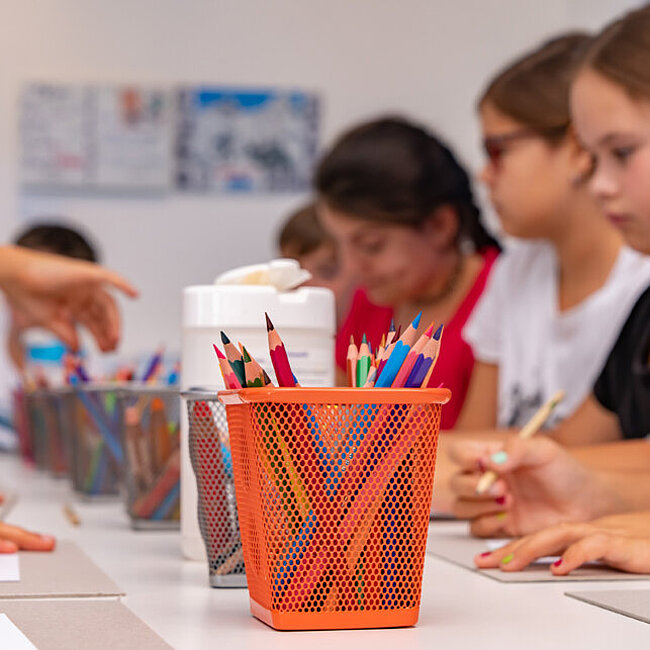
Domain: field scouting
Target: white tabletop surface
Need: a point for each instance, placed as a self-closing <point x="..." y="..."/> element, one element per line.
<point x="460" y="609"/>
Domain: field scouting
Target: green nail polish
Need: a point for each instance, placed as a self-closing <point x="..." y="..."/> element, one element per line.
<point x="507" y="559"/>
<point x="499" y="457"/>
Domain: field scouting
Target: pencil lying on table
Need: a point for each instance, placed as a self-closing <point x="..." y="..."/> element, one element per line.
<point x="528" y="430"/>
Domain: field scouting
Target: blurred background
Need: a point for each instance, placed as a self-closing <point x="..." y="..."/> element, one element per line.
<point x="427" y="59"/>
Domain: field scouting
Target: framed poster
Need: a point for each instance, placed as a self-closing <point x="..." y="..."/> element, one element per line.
<point x="245" y="140"/>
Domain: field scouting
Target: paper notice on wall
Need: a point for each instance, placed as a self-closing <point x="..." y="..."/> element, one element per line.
<point x="245" y="140"/>
<point x="96" y="137"/>
<point x="12" y="637"/>
<point x="9" y="568"/>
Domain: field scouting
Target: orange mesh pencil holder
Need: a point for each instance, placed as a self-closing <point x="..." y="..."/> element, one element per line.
<point x="217" y="508"/>
<point x="334" y="491"/>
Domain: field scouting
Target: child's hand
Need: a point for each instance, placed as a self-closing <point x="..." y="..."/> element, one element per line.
<point x="13" y="539"/>
<point x="621" y="541"/>
<point x="540" y="484"/>
<point x="58" y="293"/>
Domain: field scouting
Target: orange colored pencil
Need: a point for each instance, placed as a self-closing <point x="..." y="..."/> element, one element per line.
<point x="411" y="358"/>
<point x="351" y="362"/>
<point x="255" y="374"/>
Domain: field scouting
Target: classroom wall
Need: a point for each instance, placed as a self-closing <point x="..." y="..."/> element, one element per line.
<point x="425" y="58"/>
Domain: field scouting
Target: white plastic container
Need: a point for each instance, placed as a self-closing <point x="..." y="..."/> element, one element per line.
<point x="304" y="318"/>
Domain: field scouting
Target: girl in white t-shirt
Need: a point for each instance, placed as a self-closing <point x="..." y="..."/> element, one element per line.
<point x="559" y="295"/>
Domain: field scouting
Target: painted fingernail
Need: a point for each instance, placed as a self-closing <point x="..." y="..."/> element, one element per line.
<point x="499" y="457"/>
<point x="485" y="554"/>
<point x="507" y="559"/>
<point x="501" y="516"/>
<point x="481" y="465"/>
<point x="557" y="562"/>
<point x="500" y="500"/>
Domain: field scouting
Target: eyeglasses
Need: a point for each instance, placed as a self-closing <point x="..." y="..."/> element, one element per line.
<point x="496" y="145"/>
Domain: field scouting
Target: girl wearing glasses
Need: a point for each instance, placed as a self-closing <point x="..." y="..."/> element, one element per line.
<point x="402" y="212"/>
<point x="540" y="483"/>
<point x="562" y="290"/>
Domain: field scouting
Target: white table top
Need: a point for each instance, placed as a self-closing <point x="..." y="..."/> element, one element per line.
<point x="460" y="609"/>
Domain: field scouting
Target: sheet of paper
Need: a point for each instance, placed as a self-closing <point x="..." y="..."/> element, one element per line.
<point x="453" y="543"/>
<point x="12" y="637"/>
<point x="634" y="603"/>
<point x="9" y="568"/>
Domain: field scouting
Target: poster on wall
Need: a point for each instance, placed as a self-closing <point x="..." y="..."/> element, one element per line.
<point x="245" y="140"/>
<point x="96" y="137"/>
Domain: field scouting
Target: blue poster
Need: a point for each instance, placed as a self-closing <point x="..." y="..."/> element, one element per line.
<point x="245" y="140"/>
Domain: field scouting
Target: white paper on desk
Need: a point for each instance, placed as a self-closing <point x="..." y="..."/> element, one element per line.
<point x="496" y="544"/>
<point x="9" y="568"/>
<point x="12" y="637"/>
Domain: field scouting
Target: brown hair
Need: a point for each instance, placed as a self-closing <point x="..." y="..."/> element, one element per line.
<point x="302" y="233"/>
<point x="534" y="89"/>
<point x="621" y="52"/>
<point x="58" y="239"/>
<point x="393" y="171"/>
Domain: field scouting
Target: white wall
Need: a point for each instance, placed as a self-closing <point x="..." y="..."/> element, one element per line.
<point x="426" y="58"/>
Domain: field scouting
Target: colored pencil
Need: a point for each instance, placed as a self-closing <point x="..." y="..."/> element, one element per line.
<point x="528" y="430"/>
<point x="411" y="358"/>
<point x="255" y="374"/>
<point x="230" y="379"/>
<point x="153" y="368"/>
<point x="422" y="368"/>
<point x="145" y="506"/>
<point x="351" y="363"/>
<point x="159" y="432"/>
<point x="234" y="359"/>
<point x="398" y="355"/>
<point x="363" y="363"/>
<point x="279" y="358"/>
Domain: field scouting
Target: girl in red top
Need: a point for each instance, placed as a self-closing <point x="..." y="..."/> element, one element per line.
<point x="402" y="211"/>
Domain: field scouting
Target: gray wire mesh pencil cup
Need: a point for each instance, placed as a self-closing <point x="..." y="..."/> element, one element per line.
<point x="217" y="509"/>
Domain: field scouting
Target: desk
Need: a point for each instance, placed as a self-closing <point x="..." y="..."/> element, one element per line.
<point x="460" y="609"/>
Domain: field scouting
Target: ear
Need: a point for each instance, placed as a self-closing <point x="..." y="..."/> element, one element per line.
<point x="441" y="227"/>
<point x="580" y="159"/>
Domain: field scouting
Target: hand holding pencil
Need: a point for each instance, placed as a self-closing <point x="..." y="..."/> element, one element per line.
<point x="528" y="430"/>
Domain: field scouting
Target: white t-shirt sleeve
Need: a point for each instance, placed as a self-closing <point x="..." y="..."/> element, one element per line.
<point x="483" y="330"/>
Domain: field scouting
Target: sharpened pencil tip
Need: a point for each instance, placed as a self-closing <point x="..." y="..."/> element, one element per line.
<point x="416" y="321"/>
<point x="218" y="351"/>
<point x="438" y="333"/>
<point x="225" y="340"/>
<point x="269" y="324"/>
<point x="429" y="331"/>
<point x="364" y="340"/>
<point x="351" y="339"/>
<point x="247" y="357"/>
<point x="392" y="325"/>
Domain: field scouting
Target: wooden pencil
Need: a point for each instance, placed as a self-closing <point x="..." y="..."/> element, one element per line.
<point x="529" y="429"/>
<point x="363" y="363"/>
<point x="255" y="375"/>
<point x="230" y="379"/>
<point x="235" y="359"/>
<point x="423" y="366"/>
<point x="279" y="358"/>
<point x="398" y="355"/>
<point x="351" y="363"/>
<point x="411" y="358"/>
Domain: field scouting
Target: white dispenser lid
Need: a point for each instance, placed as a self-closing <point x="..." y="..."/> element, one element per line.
<point x="235" y="306"/>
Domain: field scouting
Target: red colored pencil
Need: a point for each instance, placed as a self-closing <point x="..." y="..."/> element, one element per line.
<point x="230" y="379"/>
<point x="411" y="358"/>
<point x="279" y="359"/>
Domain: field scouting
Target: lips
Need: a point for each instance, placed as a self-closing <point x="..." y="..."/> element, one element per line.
<point x="618" y="219"/>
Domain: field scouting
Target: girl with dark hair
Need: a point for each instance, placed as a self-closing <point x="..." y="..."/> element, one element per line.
<point x="561" y="292"/>
<point x="401" y="209"/>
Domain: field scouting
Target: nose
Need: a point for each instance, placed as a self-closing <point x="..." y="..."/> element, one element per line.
<point x="486" y="175"/>
<point x="603" y="185"/>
